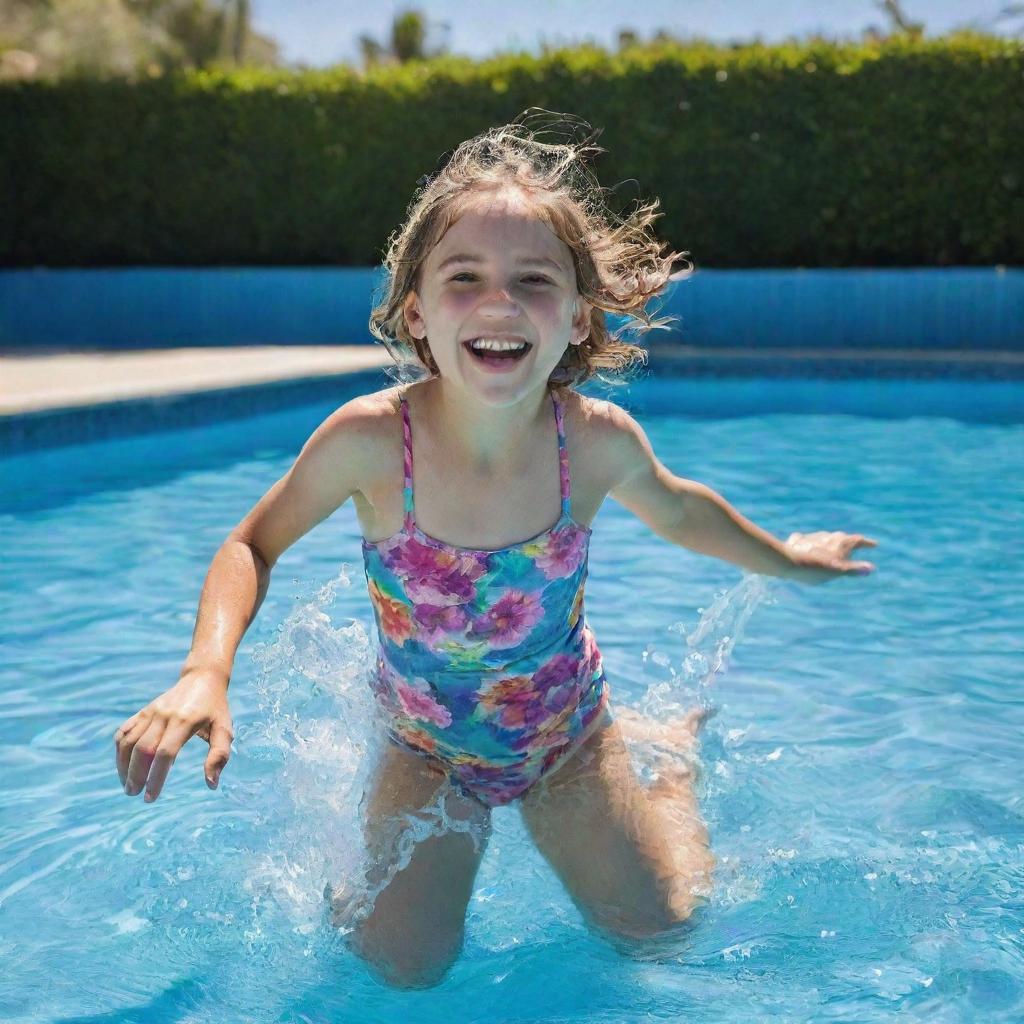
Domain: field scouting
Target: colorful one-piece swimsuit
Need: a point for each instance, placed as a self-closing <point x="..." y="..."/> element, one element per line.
<point x="486" y="663"/>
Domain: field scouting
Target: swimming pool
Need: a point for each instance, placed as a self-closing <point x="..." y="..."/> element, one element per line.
<point x="861" y="777"/>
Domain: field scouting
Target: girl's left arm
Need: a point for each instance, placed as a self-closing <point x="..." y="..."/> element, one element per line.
<point x="694" y="516"/>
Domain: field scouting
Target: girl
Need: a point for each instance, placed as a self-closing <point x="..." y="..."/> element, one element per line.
<point x="475" y="487"/>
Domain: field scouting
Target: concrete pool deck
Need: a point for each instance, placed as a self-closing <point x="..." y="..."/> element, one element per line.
<point x="33" y="383"/>
<point x="67" y="380"/>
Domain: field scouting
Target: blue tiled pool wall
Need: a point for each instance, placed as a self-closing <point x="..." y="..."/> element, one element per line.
<point x="979" y="312"/>
<point x="930" y="308"/>
<point x="977" y="366"/>
<point x="654" y="390"/>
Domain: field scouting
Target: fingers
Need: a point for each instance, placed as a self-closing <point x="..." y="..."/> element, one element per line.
<point x="142" y="755"/>
<point x="220" y="751"/>
<point x="857" y="540"/>
<point x="148" y="744"/>
<point x="125" y="739"/>
<point x="174" y="738"/>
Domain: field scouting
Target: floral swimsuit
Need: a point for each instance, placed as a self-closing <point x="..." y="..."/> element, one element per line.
<point x="486" y="663"/>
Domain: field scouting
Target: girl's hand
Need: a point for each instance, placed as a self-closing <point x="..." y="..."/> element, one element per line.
<point x="148" y="742"/>
<point x="820" y="557"/>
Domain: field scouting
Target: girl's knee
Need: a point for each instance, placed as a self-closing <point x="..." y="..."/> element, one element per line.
<point x="400" y="963"/>
<point x="413" y="976"/>
<point x="650" y="936"/>
<point x="669" y="914"/>
<point x="630" y="924"/>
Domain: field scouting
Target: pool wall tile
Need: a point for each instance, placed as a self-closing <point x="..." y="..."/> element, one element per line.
<point x="964" y="308"/>
<point x="83" y="424"/>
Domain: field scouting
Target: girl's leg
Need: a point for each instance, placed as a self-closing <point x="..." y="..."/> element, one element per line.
<point x="415" y="929"/>
<point x="671" y="749"/>
<point x="635" y="861"/>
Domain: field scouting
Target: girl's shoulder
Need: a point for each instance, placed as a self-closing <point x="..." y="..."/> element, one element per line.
<point x="366" y="418"/>
<point x="596" y="419"/>
<point x="605" y="437"/>
<point x="363" y="431"/>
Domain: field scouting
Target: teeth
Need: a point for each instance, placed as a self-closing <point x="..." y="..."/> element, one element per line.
<point x="498" y="346"/>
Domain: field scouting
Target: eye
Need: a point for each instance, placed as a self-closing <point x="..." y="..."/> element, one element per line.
<point x="538" y="278"/>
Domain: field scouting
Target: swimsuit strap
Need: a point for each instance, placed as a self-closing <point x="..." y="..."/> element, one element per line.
<point x="563" y="455"/>
<point x="409" y="518"/>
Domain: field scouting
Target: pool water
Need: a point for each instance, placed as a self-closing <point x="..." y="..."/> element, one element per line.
<point x="861" y="778"/>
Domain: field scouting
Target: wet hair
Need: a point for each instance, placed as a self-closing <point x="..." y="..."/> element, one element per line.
<point x="620" y="265"/>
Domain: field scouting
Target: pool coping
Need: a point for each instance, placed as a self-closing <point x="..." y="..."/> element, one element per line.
<point x="34" y="382"/>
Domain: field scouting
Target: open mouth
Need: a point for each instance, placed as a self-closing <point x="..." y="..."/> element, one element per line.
<point x="497" y="354"/>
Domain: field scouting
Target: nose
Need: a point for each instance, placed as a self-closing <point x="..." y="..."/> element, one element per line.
<point x="498" y="302"/>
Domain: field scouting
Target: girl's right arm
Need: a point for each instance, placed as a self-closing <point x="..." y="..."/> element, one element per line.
<point x="326" y="473"/>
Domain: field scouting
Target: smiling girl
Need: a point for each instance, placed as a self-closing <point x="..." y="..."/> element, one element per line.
<point x="475" y="488"/>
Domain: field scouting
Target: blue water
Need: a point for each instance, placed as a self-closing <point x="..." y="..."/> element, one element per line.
<point x="861" y="778"/>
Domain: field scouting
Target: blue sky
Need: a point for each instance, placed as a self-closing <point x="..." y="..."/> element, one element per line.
<point x="324" y="32"/>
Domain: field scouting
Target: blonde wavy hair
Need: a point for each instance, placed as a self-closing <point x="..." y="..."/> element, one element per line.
<point x="619" y="263"/>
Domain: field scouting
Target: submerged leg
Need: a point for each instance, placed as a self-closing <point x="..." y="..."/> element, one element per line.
<point x="636" y="861"/>
<point x="420" y="871"/>
<point x="671" y="747"/>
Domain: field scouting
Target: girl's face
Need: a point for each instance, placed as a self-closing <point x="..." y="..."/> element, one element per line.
<point x="498" y="274"/>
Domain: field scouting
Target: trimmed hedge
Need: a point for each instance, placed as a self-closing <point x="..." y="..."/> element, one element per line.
<point x="815" y="154"/>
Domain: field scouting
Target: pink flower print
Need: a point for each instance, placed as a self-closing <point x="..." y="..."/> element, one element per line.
<point x="418" y="702"/>
<point x="509" y="620"/>
<point x="506" y="700"/>
<point x="438" y="622"/>
<point x="591" y="655"/>
<point x="433" y="575"/>
<point x="560" y="553"/>
<point x="382" y="686"/>
<point x="528" y="705"/>
<point x="557" y="682"/>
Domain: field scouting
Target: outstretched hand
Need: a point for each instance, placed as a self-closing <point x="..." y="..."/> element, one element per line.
<point x="822" y="556"/>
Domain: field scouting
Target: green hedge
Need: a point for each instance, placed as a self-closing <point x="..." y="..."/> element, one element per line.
<point x="816" y="154"/>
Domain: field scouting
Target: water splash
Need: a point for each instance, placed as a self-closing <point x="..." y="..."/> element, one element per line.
<point x="316" y="734"/>
<point x="322" y="734"/>
<point x="708" y="648"/>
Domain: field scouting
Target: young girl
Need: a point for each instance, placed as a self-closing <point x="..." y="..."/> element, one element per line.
<point x="475" y="487"/>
